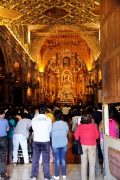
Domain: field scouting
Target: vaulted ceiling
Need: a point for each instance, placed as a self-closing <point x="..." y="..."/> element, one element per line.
<point x="55" y="25"/>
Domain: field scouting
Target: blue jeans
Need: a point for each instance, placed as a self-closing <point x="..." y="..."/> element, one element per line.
<point x="103" y="153"/>
<point x="60" y="157"/>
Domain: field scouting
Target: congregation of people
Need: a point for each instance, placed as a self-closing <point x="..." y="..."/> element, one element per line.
<point x="48" y="127"/>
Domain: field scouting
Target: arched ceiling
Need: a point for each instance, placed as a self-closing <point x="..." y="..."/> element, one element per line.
<point x="68" y="32"/>
<point x="54" y="24"/>
<point x="81" y="52"/>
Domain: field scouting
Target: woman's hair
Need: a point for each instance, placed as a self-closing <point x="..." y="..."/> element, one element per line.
<point x="76" y="113"/>
<point x="31" y="115"/>
<point x="58" y="115"/>
<point x="86" y="118"/>
<point x="112" y="114"/>
<point x="89" y="110"/>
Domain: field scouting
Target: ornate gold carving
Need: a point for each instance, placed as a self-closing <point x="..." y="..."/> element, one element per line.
<point x="55" y="12"/>
<point x="75" y="28"/>
<point x="33" y="11"/>
<point x="83" y="20"/>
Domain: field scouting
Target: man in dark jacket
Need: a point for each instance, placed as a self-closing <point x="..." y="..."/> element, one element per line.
<point x="97" y="115"/>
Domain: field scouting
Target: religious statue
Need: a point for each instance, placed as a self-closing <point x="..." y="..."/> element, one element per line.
<point x="66" y="61"/>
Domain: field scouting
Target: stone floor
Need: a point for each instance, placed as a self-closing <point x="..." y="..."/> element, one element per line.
<point x="22" y="172"/>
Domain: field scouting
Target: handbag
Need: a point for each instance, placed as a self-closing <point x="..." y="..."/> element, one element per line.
<point x="75" y="147"/>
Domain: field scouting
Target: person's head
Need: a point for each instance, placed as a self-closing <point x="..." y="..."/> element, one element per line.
<point x="25" y="115"/>
<point x="2" y="114"/>
<point x="13" y="113"/>
<point x="42" y="109"/>
<point x="58" y="115"/>
<point x="95" y="108"/>
<point x="100" y="106"/>
<point x="76" y="113"/>
<point x="31" y="115"/>
<point x="111" y="114"/>
<point x="89" y="110"/>
<point x="86" y="118"/>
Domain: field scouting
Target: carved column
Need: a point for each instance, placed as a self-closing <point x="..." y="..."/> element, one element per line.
<point x="96" y="83"/>
<point x="58" y="88"/>
<point x="42" y="87"/>
<point x="75" y="88"/>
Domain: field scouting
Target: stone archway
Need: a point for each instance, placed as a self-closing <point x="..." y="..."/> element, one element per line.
<point x="92" y="42"/>
<point x="17" y="71"/>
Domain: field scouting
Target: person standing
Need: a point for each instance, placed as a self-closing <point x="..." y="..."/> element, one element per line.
<point x="4" y="127"/>
<point x="12" y="124"/>
<point x="113" y="131"/>
<point x="41" y="125"/>
<point x="65" y="111"/>
<point x="97" y="118"/>
<point x="75" y="119"/>
<point x="97" y="115"/>
<point x="59" y="143"/>
<point x="21" y="133"/>
<point x="98" y="171"/>
<point x="88" y="133"/>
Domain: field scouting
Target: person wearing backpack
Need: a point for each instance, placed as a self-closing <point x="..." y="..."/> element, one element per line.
<point x="12" y="124"/>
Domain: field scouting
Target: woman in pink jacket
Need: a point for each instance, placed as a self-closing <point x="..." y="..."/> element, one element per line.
<point x="88" y="133"/>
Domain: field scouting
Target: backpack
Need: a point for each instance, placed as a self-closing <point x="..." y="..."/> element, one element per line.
<point x="112" y="128"/>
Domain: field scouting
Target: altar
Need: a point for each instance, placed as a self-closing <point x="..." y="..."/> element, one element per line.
<point x="66" y="94"/>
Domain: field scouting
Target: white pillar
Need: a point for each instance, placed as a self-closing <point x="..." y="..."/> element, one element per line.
<point x="105" y="118"/>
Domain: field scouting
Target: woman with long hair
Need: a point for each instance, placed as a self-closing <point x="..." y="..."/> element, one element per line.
<point x="59" y="143"/>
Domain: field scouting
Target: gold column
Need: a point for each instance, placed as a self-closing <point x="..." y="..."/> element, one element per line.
<point x="42" y="87"/>
<point x="58" y="87"/>
<point x="75" y="88"/>
<point x="96" y="85"/>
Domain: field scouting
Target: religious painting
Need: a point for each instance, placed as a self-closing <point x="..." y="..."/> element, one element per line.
<point x="66" y="61"/>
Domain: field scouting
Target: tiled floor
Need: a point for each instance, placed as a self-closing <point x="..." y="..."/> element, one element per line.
<point x="21" y="172"/>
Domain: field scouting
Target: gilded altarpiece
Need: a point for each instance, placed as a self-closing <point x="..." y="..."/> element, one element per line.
<point x="64" y="79"/>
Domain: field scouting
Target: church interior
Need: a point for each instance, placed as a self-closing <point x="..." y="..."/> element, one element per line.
<point x="50" y="52"/>
<point x="62" y="52"/>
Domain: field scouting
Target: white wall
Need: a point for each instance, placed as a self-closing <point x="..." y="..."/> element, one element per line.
<point x="114" y="143"/>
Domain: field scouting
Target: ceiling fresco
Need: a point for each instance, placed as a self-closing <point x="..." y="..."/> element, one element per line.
<point x="54" y="24"/>
<point x="49" y="12"/>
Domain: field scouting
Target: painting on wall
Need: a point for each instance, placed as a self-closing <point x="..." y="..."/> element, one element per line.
<point x="66" y="61"/>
